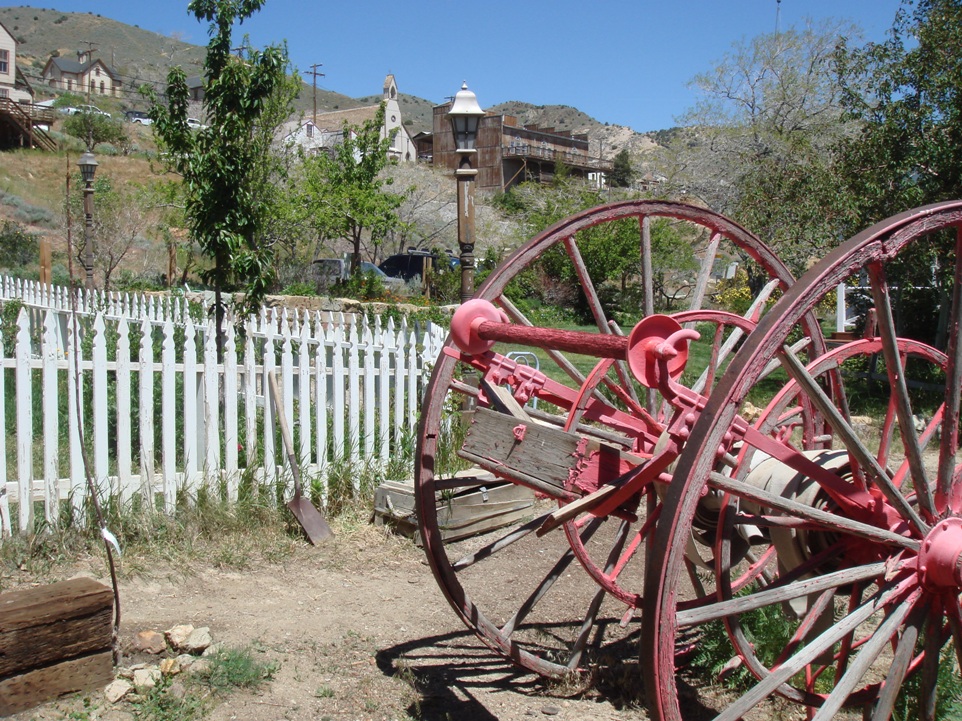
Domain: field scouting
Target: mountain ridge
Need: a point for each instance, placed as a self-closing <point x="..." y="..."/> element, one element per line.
<point x="143" y="57"/>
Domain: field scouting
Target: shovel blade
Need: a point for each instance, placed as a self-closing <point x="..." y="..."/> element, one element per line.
<point x="311" y="520"/>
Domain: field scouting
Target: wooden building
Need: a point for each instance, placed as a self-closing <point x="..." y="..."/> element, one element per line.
<point x="510" y="153"/>
<point x="83" y="75"/>
<point x="22" y="122"/>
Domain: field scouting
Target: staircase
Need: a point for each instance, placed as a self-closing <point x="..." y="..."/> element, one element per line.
<point x="21" y="121"/>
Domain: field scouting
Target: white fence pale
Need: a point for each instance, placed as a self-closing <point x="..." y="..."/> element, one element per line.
<point x="161" y="416"/>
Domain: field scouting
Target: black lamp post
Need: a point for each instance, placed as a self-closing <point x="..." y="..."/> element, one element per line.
<point x="465" y="117"/>
<point x="88" y="168"/>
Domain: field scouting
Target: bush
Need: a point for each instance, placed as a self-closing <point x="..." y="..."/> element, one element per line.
<point x="18" y="248"/>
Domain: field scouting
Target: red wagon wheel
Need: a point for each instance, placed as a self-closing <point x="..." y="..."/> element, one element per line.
<point x="549" y="615"/>
<point x="863" y="572"/>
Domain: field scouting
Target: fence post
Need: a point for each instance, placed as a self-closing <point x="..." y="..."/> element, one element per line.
<point x="24" y="378"/>
<point x="51" y="421"/>
<point x="124" y="417"/>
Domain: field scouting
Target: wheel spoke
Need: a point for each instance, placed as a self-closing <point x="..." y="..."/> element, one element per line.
<point x="867" y="655"/>
<point x="900" y="666"/>
<point x="516" y="534"/>
<point x="588" y="287"/>
<point x="546" y="583"/>
<point x="896" y="377"/>
<point x="928" y="691"/>
<point x="591" y="616"/>
<point x="852" y="442"/>
<point x="779" y="594"/>
<point x="948" y="492"/>
<point x="830" y="521"/>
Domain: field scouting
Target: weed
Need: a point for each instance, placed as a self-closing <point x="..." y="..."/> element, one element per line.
<point x="324" y="692"/>
<point x="233" y="668"/>
<point x="949" y="704"/>
<point x="159" y="704"/>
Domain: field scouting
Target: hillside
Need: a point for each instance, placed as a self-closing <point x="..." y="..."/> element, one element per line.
<point x="606" y="140"/>
<point x="138" y="55"/>
<point x="141" y="56"/>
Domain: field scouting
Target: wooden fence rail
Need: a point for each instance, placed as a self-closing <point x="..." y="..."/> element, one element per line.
<point x="161" y="416"/>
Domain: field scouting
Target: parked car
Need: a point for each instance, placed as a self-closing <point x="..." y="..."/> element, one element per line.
<point x="195" y="124"/>
<point x="411" y="264"/>
<point x="138" y="116"/>
<point x="333" y="270"/>
<point x="91" y="109"/>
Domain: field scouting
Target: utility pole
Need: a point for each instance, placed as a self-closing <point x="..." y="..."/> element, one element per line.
<point x="90" y="55"/>
<point x="314" y="72"/>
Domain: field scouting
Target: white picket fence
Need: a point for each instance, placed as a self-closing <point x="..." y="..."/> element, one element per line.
<point x="161" y="416"/>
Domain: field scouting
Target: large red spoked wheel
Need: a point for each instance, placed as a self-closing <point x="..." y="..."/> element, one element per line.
<point x="557" y="602"/>
<point x="862" y="571"/>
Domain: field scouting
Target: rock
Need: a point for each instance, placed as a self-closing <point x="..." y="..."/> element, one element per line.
<point x="178" y="635"/>
<point x="200" y="665"/>
<point x="149" y="642"/>
<point x="197" y="642"/>
<point x="170" y="667"/>
<point x="550" y="710"/>
<point x="127" y="673"/>
<point x="213" y="649"/>
<point x="185" y="660"/>
<point x="117" y="690"/>
<point x="177" y="690"/>
<point x="146" y="677"/>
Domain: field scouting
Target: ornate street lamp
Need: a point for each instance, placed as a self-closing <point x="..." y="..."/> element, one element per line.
<point x="465" y="115"/>
<point x="88" y="168"/>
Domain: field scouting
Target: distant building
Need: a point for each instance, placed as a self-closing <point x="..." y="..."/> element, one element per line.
<point x="22" y="123"/>
<point x="325" y="130"/>
<point x="510" y="153"/>
<point x="13" y="83"/>
<point x="195" y="88"/>
<point x="83" y="75"/>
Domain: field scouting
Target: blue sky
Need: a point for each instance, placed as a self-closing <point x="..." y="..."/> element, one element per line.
<point x="621" y="61"/>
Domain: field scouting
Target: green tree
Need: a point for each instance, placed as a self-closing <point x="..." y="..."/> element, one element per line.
<point x="343" y="191"/>
<point x="94" y="128"/>
<point x="622" y="174"/>
<point x="228" y="168"/>
<point x="906" y="93"/>
<point x="760" y="139"/>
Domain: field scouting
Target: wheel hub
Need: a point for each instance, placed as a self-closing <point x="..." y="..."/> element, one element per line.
<point x="940" y="560"/>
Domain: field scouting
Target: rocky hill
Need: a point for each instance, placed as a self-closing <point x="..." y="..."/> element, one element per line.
<point x="142" y="56"/>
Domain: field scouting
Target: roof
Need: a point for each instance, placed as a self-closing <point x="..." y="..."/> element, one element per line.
<point x="66" y="65"/>
<point x="335" y="119"/>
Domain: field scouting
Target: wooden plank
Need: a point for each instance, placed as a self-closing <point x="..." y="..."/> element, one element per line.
<point x="39" y="626"/>
<point x="25" y="691"/>
<point x="538" y="455"/>
<point x="479" y="508"/>
<point x="544" y="453"/>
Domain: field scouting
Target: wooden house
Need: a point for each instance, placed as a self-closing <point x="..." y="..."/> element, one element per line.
<point x="510" y="153"/>
<point x="20" y="118"/>
<point x="83" y="75"/>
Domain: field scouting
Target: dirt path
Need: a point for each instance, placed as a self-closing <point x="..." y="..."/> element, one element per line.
<point x="359" y="630"/>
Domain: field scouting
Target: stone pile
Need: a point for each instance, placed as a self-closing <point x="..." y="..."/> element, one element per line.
<point x="185" y="649"/>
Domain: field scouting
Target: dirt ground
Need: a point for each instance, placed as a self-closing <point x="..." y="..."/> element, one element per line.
<point x="358" y="629"/>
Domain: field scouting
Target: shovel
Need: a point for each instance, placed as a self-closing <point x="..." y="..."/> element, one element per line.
<point x="311" y="520"/>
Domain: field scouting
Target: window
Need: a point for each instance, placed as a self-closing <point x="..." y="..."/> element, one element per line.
<point x="4" y="61"/>
<point x="310" y="130"/>
<point x="101" y="87"/>
<point x="4" y="93"/>
<point x="69" y="83"/>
